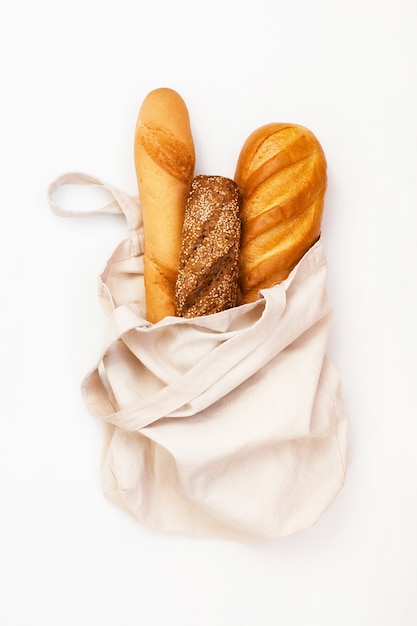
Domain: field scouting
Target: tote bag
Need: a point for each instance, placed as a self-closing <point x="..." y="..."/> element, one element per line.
<point x="229" y="425"/>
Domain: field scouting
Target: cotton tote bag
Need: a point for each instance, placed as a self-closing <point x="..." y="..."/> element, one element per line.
<point x="229" y="425"/>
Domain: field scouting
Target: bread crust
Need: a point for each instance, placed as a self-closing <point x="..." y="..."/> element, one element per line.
<point x="164" y="161"/>
<point x="281" y="173"/>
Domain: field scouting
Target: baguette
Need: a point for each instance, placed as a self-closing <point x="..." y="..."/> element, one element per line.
<point x="281" y="173"/>
<point x="164" y="162"/>
<point x="207" y="280"/>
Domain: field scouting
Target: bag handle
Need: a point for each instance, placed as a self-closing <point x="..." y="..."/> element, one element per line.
<point x="216" y="365"/>
<point x="122" y="204"/>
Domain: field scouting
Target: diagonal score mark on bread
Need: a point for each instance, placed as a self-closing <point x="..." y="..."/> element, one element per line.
<point x="284" y="195"/>
<point x="167" y="151"/>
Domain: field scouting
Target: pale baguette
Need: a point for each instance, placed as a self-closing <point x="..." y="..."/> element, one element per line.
<point x="164" y="161"/>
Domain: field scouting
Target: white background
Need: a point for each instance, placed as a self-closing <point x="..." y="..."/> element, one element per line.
<point x="73" y="75"/>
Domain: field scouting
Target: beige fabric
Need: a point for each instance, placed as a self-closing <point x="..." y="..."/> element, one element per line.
<point x="230" y="425"/>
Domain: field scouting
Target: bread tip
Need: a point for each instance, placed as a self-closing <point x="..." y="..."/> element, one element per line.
<point x="162" y="91"/>
<point x="162" y="94"/>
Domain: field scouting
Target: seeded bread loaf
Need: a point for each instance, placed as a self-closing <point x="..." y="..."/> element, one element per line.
<point x="208" y="268"/>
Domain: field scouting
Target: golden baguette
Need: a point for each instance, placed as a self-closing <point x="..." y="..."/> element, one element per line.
<point x="281" y="173"/>
<point x="164" y="161"/>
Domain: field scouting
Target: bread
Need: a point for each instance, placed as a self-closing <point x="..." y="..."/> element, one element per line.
<point x="164" y="161"/>
<point x="281" y="173"/>
<point x="208" y="271"/>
